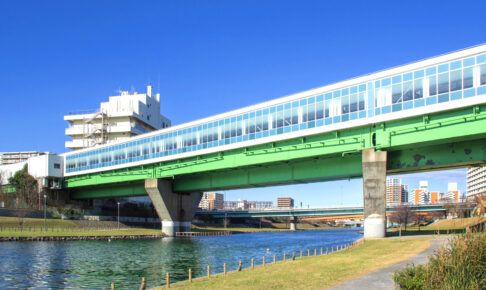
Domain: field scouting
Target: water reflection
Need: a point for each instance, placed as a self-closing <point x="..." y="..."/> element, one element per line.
<point x="96" y="264"/>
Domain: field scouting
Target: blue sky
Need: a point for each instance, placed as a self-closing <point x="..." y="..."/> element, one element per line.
<point x="209" y="57"/>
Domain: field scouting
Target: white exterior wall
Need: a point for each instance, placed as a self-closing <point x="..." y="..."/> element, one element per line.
<point x="476" y="181"/>
<point x="7" y="171"/>
<point x="44" y="166"/>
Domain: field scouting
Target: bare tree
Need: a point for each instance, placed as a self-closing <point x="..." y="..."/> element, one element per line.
<point x="402" y="215"/>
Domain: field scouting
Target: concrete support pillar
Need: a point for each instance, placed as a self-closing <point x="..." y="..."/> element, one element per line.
<point x="374" y="193"/>
<point x="175" y="210"/>
<point x="293" y="223"/>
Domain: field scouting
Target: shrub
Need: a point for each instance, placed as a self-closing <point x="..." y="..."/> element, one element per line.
<point x="461" y="264"/>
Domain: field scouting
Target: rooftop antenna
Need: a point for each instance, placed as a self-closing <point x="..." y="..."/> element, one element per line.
<point x="158" y="82"/>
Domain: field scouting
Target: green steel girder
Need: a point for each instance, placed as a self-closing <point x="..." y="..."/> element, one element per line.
<point x="332" y="155"/>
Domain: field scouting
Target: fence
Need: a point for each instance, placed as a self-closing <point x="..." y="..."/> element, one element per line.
<point x="264" y="264"/>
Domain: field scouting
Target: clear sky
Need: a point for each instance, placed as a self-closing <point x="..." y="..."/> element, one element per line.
<point x="209" y="57"/>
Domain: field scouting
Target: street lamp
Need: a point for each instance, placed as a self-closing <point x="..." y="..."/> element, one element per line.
<point x="118" y="203"/>
<point x="45" y="212"/>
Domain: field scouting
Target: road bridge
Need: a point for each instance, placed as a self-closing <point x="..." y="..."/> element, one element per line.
<point x="428" y="115"/>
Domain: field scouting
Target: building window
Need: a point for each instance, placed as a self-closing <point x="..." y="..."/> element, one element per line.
<point x="57" y="165"/>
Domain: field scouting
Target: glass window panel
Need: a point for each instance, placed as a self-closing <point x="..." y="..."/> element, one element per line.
<point x="468" y="81"/>
<point x="407" y="91"/>
<point x="251" y="124"/>
<point x="304" y="113"/>
<point x="320" y="110"/>
<point x="418" y="89"/>
<point x="361" y="101"/>
<point x="353" y="103"/>
<point x="345" y="105"/>
<point x="311" y="112"/>
<point x="264" y="122"/>
<point x="295" y="116"/>
<point x="280" y="119"/>
<point x="327" y="105"/>
<point x="383" y="97"/>
<point x="396" y="93"/>
<point x="432" y="81"/>
<point x="288" y="118"/>
<point x="456" y="80"/>
<point x="443" y="84"/>
<point x="482" y="77"/>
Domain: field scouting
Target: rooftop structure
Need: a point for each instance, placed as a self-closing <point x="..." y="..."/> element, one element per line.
<point x="16" y="157"/>
<point x="122" y="117"/>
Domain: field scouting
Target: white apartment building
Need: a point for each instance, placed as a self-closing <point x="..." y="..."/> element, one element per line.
<point x="120" y="118"/>
<point x="16" y="157"/>
<point x="393" y="190"/>
<point x="476" y="181"/>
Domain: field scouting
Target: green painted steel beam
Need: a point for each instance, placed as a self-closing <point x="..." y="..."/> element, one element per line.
<point x="109" y="191"/>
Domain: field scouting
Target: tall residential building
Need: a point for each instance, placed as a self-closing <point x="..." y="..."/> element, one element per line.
<point x="120" y="118"/>
<point x="211" y="201"/>
<point x="476" y="181"/>
<point x="404" y="193"/>
<point x="421" y="195"/>
<point x="16" y="157"/>
<point x="393" y="190"/>
<point x="285" y="202"/>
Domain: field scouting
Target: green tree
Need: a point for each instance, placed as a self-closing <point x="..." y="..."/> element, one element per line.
<point x="25" y="187"/>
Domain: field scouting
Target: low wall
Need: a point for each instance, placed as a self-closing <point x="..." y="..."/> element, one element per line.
<point x="27" y="213"/>
<point x="124" y="219"/>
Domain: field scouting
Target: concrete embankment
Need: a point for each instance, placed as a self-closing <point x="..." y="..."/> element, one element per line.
<point x="79" y="238"/>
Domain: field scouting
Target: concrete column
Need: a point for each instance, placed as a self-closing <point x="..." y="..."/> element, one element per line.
<point x="293" y="223"/>
<point x="374" y="193"/>
<point x="175" y="210"/>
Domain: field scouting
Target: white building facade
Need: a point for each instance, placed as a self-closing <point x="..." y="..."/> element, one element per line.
<point x="476" y="181"/>
<point x="16" y="157"/>
<point x="122" y="117"/>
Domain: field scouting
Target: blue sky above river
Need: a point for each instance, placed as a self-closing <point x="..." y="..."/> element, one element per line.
<point x="209" y="57"/>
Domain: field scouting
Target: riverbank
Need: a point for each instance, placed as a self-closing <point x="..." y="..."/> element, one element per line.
<point x="317" y="272"/>
<point x="276" y="227"/>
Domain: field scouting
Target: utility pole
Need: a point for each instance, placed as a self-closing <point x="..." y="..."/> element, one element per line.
<point x="118" y="219"/>
<point x="45" y="212"/>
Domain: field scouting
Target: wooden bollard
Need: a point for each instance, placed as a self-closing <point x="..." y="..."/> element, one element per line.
<point x="263" y="261"/>
<point x="274" y="259"/>
<point x="190" y="275"/>
<point x="239" y="267"/>
<point x="308" y="252"/>
<point x="293" y="256"/>
<point x="224" y="269"/>
<point x="167" y="278"/>
<point x="327" y="251"/>
<point x="252" y="265"/>
<point x="284" y="257"/>
<point x="209" y="271"/>
<point x="321" y="251"/>
<point x="301" y="254"/>
<point x="112" y="286"/>
<point x="143" y="286"/>
<point x="332" y="250"/>
<point x="315" y="252"/>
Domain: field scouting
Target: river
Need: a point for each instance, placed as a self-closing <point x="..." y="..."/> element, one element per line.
<point x="96" y="264"/>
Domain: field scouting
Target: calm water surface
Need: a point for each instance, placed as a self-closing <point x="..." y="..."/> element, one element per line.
<point x="96" y="264"/>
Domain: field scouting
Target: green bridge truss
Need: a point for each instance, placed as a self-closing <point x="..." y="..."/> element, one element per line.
<point x="443" y="140"/>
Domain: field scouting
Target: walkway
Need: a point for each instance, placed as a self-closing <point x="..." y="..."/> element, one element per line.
<point x="382" y="279"/>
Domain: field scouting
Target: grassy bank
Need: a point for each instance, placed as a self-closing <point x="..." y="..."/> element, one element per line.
<point x="317" y="272"/>
<point x="447" y="226"/>
<point x="10" y="227"/>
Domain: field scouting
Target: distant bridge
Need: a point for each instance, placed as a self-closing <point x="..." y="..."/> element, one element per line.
<point x="337" y="211"/>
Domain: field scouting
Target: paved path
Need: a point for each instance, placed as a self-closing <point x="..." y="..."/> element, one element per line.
<point x="381" y="279"/>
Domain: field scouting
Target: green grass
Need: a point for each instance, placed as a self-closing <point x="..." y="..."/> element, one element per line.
<point x="10" y="227"/>
<point x="446" y="226"/>
<point x="317" y="272"/>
